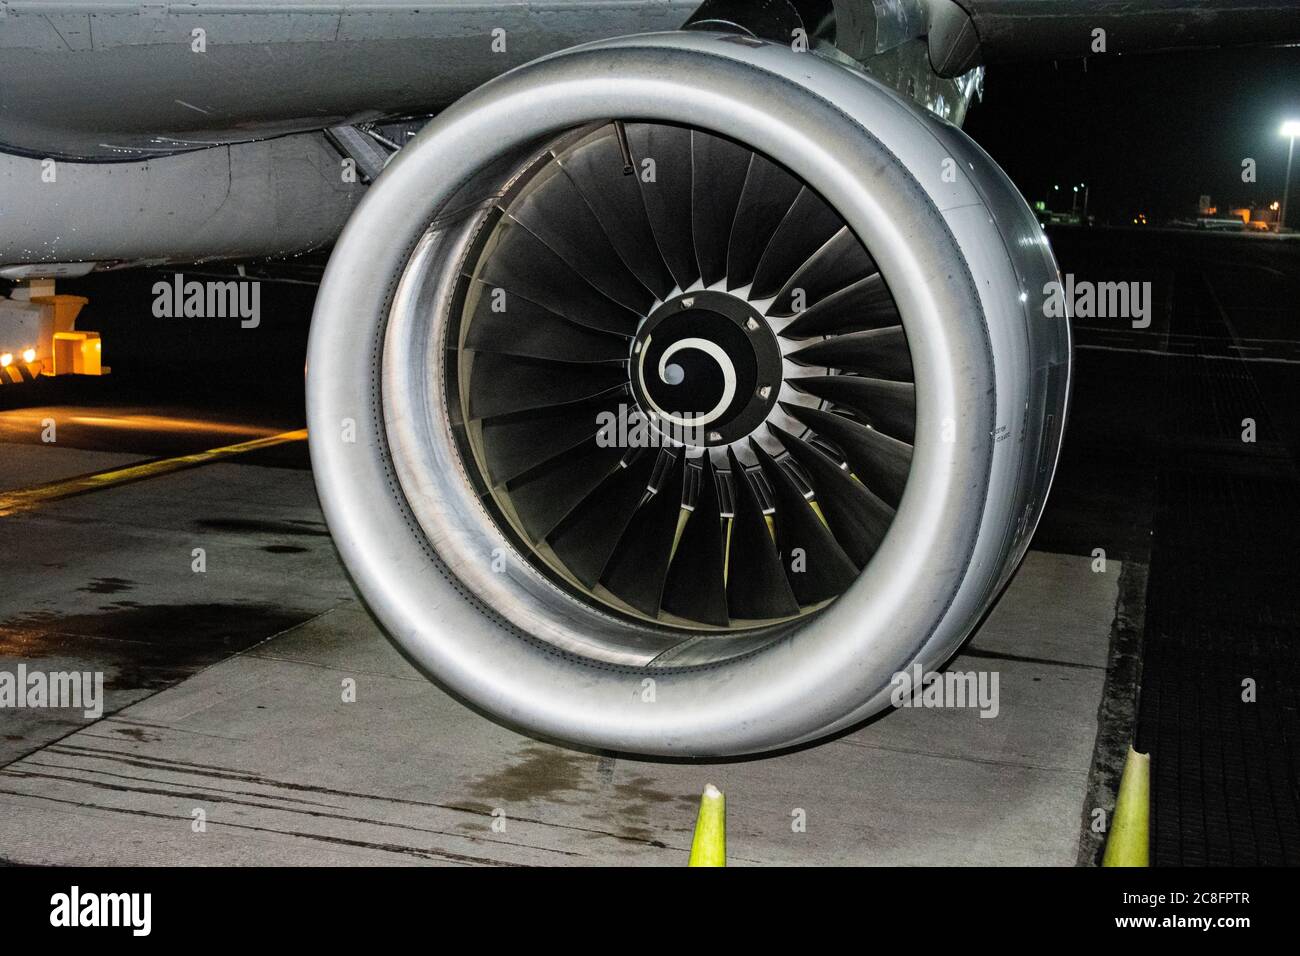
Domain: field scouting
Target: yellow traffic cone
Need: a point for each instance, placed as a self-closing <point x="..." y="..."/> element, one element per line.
<point x="709" y="847"/>
<point x="1129" y="843"/>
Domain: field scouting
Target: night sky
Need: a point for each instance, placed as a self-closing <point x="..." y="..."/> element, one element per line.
<point x="1147" y="133"/>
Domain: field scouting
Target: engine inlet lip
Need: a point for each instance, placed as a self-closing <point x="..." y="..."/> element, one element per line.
<point x="821" y="674"/>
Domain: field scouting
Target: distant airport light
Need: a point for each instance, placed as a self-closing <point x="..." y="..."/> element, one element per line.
<point x="1290" y="129"/>
<point x="6" y="360"/>
<point x="29" y="356"/>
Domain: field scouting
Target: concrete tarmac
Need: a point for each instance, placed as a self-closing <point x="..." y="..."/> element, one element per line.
<point x="226" y="738"/>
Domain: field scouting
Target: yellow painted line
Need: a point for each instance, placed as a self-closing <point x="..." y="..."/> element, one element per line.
<point x="25" y="499"/>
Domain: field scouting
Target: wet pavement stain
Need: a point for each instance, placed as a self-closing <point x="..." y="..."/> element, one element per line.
<point x="137" y="733"/>
<point x="639" y="790"/>
<point x="34" y="618"/>
<point x="540" y="773"/>
<point x="314" y="529"/>
<point x="643" y="811"/>
<point x="108" y="586"/>
<point x="148" y="646"/>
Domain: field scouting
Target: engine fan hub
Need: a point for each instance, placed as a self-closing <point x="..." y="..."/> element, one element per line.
<point x="706" y="368"/>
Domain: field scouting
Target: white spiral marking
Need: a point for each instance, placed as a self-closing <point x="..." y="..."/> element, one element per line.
<point x="713" y="351"/>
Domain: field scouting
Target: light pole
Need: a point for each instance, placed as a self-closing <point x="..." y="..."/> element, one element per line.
<point x="1290" y="129"/>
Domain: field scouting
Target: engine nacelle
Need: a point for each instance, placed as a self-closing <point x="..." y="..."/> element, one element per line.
<point x="841" y="294"/>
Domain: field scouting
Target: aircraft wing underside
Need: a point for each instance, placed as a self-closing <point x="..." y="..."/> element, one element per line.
<point x="123" y="80"/>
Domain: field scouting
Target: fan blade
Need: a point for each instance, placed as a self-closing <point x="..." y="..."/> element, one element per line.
<point x="545" y="495"/>
<point x="596" y="167"/>
<point x="639" y="564"/>
<point x="857" y="518"/>
<point x="515" y="444"/>
<point x="766" y="199"/>
<point x="757" y="588"/>
<point x="555" y="212"/>
<point x="523" y="264"/>
<point x="666" y="190"/>
<point x="880" y="462"/>
<point x="696" y="588"/>
<point x="503" y="384"/>
<point x="820" y="569"/>
<point x="585" y="539"/>
<point x="509" y="325"/>
<point x="838" y="264"/>
<point x="805" y="228"/>
<point x="719" y="168"/>
<point x="866" y="304"/>
<point x="880" y="352"/>
<point x="889" y="406"/>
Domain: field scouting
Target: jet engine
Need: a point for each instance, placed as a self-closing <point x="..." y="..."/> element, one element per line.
<point x="671" y="394"/>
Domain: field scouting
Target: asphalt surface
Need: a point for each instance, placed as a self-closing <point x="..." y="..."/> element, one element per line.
<point x="1191" y="431"/>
